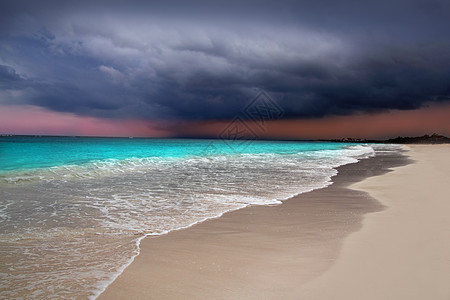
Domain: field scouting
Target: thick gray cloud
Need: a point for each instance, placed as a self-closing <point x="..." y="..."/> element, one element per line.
<point x="206" y="60"/>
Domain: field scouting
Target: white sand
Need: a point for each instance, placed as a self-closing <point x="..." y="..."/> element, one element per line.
<point x="402" y="252"/>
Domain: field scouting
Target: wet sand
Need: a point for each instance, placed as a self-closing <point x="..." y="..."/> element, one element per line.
<point x="259" y="252"/>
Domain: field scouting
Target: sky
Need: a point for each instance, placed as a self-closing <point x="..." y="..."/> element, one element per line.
<point x="272" y="69"/>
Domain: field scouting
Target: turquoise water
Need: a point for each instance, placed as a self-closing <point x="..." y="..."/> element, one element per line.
<point x="41" y="152"/>
<point x="73" y="210"/>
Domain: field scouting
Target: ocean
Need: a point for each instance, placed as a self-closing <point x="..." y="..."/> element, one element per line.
<point x="73" y="210"/>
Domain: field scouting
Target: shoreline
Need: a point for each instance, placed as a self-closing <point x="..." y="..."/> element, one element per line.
<point x="402" y="252"/>
<point x="302" y="236"/>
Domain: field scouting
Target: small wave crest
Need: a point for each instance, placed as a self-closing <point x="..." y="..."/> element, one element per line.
<point x="135" y="165"/>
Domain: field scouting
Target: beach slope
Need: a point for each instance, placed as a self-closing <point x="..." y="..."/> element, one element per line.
<point x="373" y="234"/>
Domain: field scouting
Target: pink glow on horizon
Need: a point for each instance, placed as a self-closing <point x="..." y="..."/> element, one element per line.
<point x="426" y="120"/>
<point x="38" y="121"/>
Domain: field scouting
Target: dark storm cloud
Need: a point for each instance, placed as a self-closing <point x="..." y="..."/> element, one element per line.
<point x="8" y="74"/>
<point x="206" y="60"/>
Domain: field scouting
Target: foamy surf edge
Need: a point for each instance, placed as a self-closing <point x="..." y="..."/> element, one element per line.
<point x="361" y="152"/>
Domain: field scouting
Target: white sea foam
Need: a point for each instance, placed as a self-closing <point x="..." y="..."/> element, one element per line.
<point x="134" y="165"/>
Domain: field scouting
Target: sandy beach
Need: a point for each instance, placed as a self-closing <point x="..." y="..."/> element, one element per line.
<point x="373" y="234"/>
<point x="402" y="252"/>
